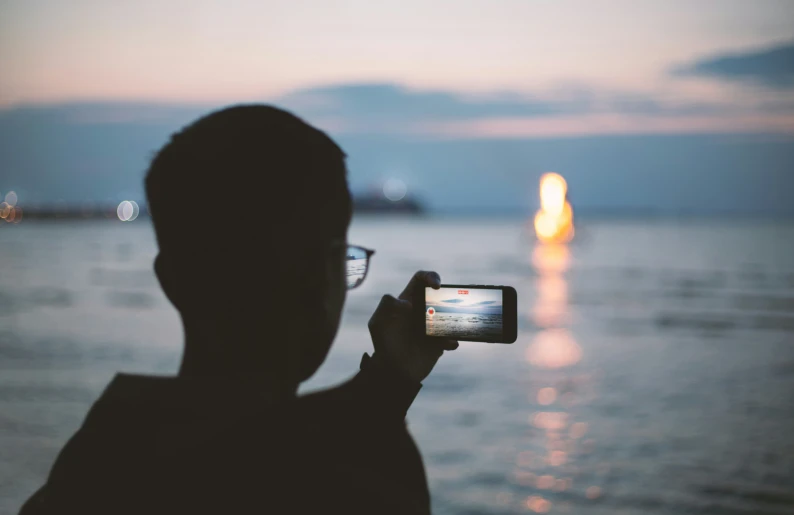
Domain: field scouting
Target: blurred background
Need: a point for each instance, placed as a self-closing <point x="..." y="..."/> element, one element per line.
<point x="626" y="166"/>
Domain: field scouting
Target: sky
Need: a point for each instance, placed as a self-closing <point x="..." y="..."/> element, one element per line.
<point x="472" y="301"/>
<point x="465" y="101"/>
<point x="217" y="51"/>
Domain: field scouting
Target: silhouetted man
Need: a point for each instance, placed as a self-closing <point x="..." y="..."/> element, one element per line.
<point x="251" y="208"/>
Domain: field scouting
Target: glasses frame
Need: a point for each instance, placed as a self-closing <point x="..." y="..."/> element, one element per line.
<point x="368" y="252"/>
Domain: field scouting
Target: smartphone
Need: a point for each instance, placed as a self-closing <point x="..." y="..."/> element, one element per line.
<point x="475" y="313"/>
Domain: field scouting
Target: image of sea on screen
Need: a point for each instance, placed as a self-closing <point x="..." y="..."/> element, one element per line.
<point x="464" y="313"/>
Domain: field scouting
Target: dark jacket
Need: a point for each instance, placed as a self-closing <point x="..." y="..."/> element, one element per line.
<point x="154" y="445"/>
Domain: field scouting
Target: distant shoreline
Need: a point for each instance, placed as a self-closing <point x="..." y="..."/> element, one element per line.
<point x="110" y="214"/>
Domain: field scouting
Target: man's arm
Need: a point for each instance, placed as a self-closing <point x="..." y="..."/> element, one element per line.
<point x="366" y="414"/>
<point x="389" y="381"/>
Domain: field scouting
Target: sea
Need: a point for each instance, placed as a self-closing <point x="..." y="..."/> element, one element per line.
<point x="653" y="371"/>
<point x="464" y="326"/>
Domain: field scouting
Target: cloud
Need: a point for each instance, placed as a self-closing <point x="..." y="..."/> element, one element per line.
<point x="395" y="110"/>
<point x="453" y="301"/>
<point x="385" y="102"/>
<point x="771" y="67"/>
<point x="396" y="102"/>
<point x="606" y="125"/>
<point x="581" y="110"/>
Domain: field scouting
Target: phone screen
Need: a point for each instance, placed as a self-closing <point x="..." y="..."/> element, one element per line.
<point x="464" y="313"/>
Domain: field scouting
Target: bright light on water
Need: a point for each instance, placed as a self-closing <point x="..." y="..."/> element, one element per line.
<point x="394" y="190"/>
<point x="554" y="220"/>
<point x="553" y="189"/>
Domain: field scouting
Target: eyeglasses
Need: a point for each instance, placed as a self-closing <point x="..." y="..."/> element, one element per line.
<point x="357" y="265"/>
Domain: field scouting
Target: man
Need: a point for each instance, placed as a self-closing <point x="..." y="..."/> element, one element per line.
<point x="250" y="207"/>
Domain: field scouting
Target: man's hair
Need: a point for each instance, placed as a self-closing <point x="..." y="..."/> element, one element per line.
<point x="247" y="177"/>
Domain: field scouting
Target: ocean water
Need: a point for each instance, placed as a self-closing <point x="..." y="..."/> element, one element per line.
<point x="653" y="372"/>
<point x="462" y="325"/>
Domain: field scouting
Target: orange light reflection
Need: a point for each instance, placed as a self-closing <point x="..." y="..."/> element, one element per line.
<point x="557" y="458"/>
<point x="547" y="396"/>
<point x="553" y="348"/>
<point x="549" y="420"/>
<point x="593" y="492"/>
<point x="538" y="504"/>
<point x="545" y="482"/>
<point x="578" y="430"/>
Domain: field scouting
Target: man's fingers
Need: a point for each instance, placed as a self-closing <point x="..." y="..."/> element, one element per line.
<point x="420" y="279"/>
<point x="443" y="344"/>
<point x="438" y="345"/>
<point x="433" y="280"/>
<point x="390" y="306"/>
<point x="449" y="344"/>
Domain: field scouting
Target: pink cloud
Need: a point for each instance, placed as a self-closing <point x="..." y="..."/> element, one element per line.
<point x="604" y="124"/>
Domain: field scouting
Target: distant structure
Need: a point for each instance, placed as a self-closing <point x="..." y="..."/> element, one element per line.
<point x="127" y="211"/>
<point x="377" y="204"/>
<point x="393" y="197"/>
<point x="554" y="220"/>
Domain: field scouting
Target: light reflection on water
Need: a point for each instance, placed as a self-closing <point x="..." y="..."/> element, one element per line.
<point x="549" y="466"/>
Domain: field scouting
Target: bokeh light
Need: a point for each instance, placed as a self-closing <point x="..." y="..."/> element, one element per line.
<point x="547" y="396"/>
<point x="578" y="430"/>
<point x="550" y="420"/>
<point x="124" y="210"/>
<point x="135" y="210"/>
<point x="538" y="504"/>
<point x="395" y="190"/>
<point x="128" y="210"/>
<point x="558" y="458"/>
<point x="11" y="198"/>
<point x="593" y="492"/>
<point x="553" y="189"/>
<point x="10" y="211"/>
<point x="545" y="482"/>
<point x="554" y="348"/>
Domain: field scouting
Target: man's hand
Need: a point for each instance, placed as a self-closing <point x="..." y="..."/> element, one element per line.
<point x="395" y="340"/>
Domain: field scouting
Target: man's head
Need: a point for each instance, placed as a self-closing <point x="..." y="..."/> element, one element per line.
<point x="251" y="207"/>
